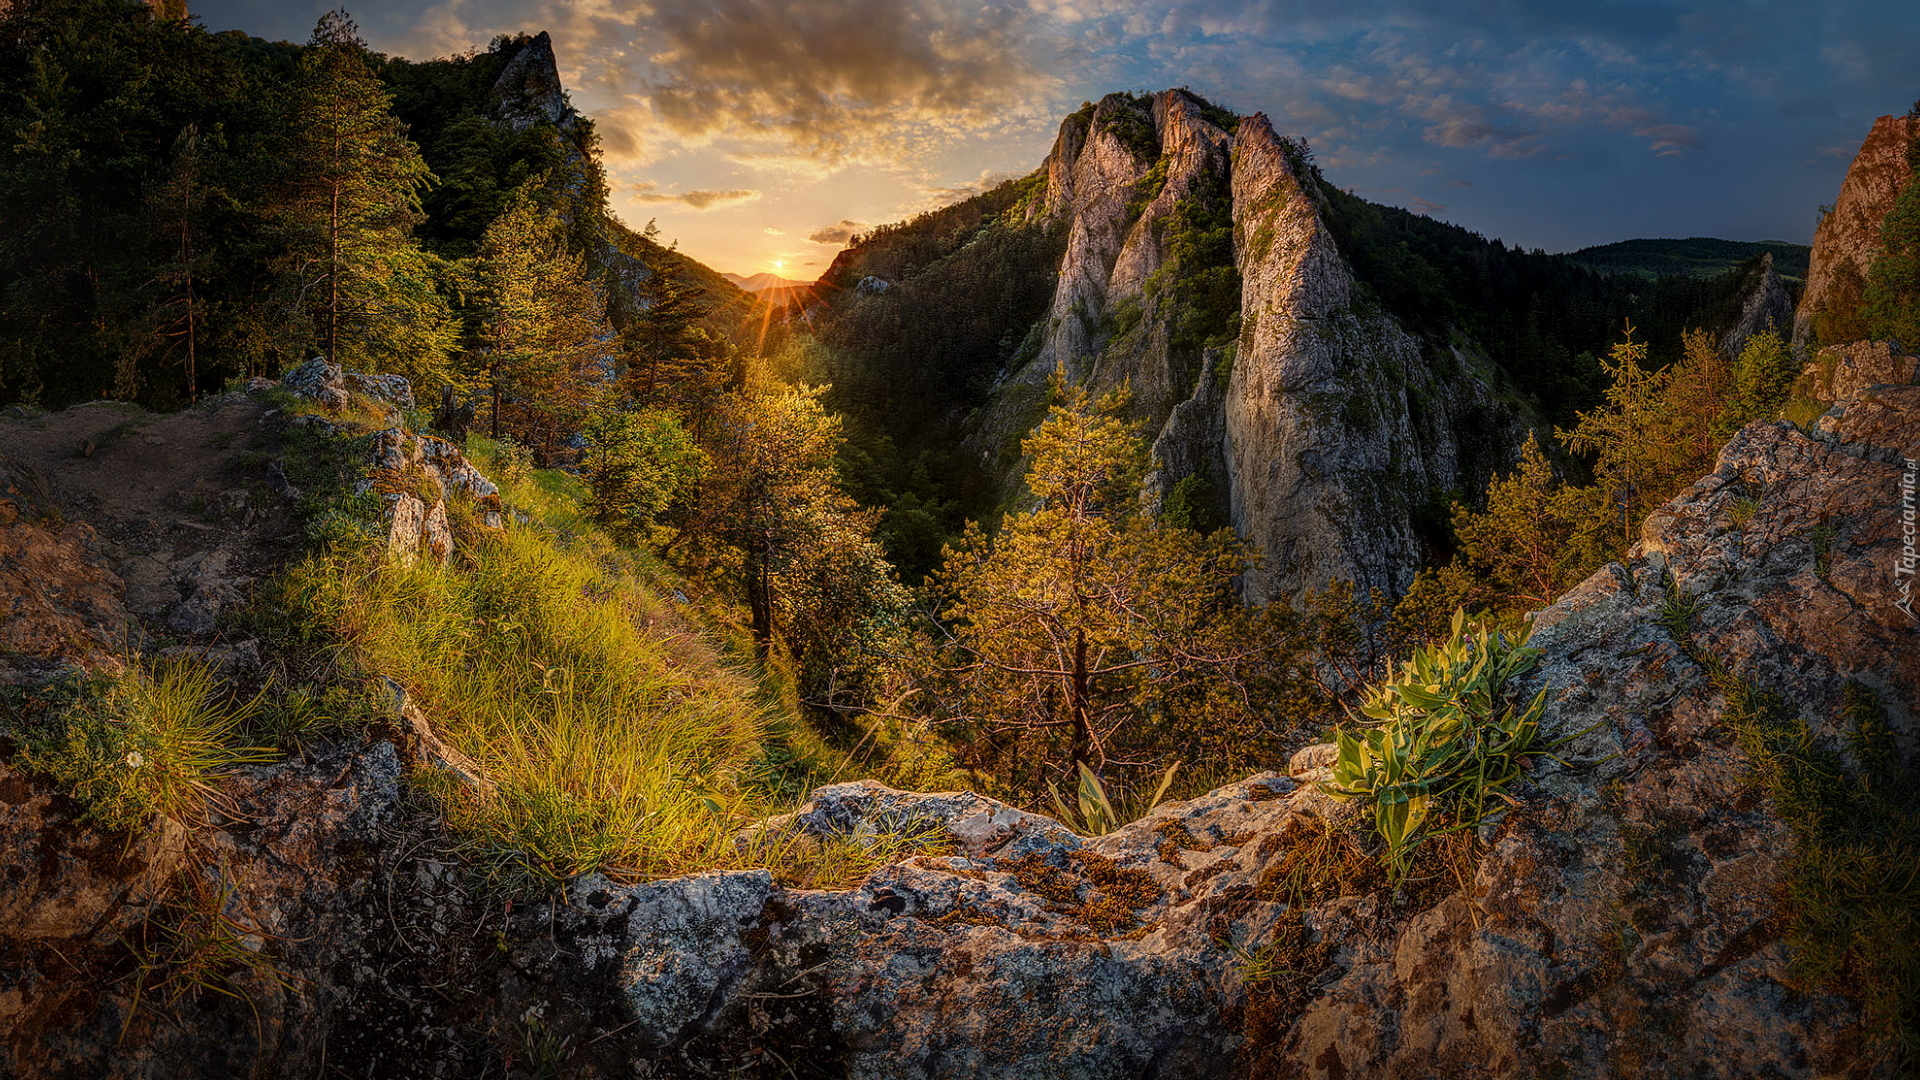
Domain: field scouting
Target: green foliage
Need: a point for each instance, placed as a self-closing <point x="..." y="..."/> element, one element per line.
<point x="200" y="941"/>
<point x="1192" y="504"/>
<point x="1199" y="286"/>
<point x="1891" y="300"/>
<point x="971" y="284"/>
<point x="1840" y="317"/>
<point x="153" y="739"/>
<point x="1764" y="374"/>
<point x="638" y="466"/>
<point x="1093" y="813"/>
<point x="1446" y="738"/>
<point x="1087" y="631"/>
<point x="347" y="207"/>
<point x="1129" y="119"/>
<point x="1696" y="257"/>
<point x="1542" y="318"/>
<point x="1147" y="189"/>
<point x="544" y="336"/>
<point x="773" y="521"/>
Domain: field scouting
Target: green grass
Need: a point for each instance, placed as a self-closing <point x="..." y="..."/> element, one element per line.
<point x="152" y="739"/>
<point x="614" y="709"/>
<point x="613" y="737"/>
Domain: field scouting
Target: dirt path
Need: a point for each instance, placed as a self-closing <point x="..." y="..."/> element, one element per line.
<point x="180" y="510"/>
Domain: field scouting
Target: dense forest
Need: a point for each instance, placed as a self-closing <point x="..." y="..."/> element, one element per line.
<point x="183" y="208"/>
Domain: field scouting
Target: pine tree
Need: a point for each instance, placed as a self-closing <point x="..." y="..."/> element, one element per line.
<point x="1086" y="629"/>
<point x="545" y="344"/>
<point x="1623" y="433"/>
<point x="176" y="209"/>
<point x="352" y="200"/>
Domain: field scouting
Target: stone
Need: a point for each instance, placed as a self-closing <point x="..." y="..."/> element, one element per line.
<point x="1842" y="372"/>
<point x="1767" y="305"/>
<point x="1849" y="236"/>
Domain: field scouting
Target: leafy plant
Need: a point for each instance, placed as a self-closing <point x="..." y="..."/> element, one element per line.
<point x="1445" y="740"/>
<point x="1095" y="814"/>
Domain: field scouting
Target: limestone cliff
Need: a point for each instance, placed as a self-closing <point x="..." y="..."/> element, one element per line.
<point x="1848" y="237"/>
<point x="1320" y="425"/>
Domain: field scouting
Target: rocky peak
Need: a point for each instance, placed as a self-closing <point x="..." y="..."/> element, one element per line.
<point x="1767" y="306"/>
<point x="1848" y="238"/>
<point x="1302" y="427"/>
<point x="529" y="90"/>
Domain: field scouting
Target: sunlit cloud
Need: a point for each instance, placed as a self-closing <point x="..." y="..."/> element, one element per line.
<point x="699" y="198"/>
<point x="836" y="235"/>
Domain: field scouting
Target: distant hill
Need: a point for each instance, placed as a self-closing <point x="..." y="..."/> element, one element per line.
<point x="763" y="281"/>
<point x="1699" y="256"/>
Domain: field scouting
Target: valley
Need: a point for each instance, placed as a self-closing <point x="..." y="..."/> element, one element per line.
<point x="1164" y="614"/>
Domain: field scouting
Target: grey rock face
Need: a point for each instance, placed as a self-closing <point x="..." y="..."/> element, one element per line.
<point x="417" y="519"/>
<point x="1336" y="422"/>
<point x="529" y="90"/>
<point x="1768" y="306"/>
<point x="1323" y="428"/>
<point x="1842" y="372"/>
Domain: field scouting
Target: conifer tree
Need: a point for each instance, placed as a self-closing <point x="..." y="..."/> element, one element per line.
<point x="1623" y="433"/>
<point x="176" y="208"/>
<point x="545" y="344"/>
<point x="1085" y="623"/>
<point x="351" y="203"/>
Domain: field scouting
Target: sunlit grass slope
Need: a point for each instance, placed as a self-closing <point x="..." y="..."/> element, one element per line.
<point x="616" y="725"/>
<point x="613" y="737"/>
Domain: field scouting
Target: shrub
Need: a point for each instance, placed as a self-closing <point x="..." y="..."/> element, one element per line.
<point x="639" y="465"/>
<point x="1764" y="374"/>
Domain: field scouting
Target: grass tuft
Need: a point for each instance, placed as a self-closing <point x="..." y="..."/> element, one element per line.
<point x="152" y="739"/>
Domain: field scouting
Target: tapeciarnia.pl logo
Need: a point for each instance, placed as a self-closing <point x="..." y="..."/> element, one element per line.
<point x="1909" y="561"/>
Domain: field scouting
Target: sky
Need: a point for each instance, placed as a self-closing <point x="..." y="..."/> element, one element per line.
<point x="760" y="134"/>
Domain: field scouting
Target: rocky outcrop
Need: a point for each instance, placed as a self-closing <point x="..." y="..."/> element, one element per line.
<point x="415" y="475"/>
<point x="1848" y="237"/>
<point x="528" y="90"/>
<point x="1337" y="423"/>
<point x="1625" y="917"/>
<point x="1324" y="426"/>
<point x="1841" y="372"/>
<point x="1767" y="305"/>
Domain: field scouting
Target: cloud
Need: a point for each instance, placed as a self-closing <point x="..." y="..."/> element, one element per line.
<point x="835" y="235"/>
<point x="771" y="231"/>
<point x="699" y="198"/>
<point x="803" y="83"/>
